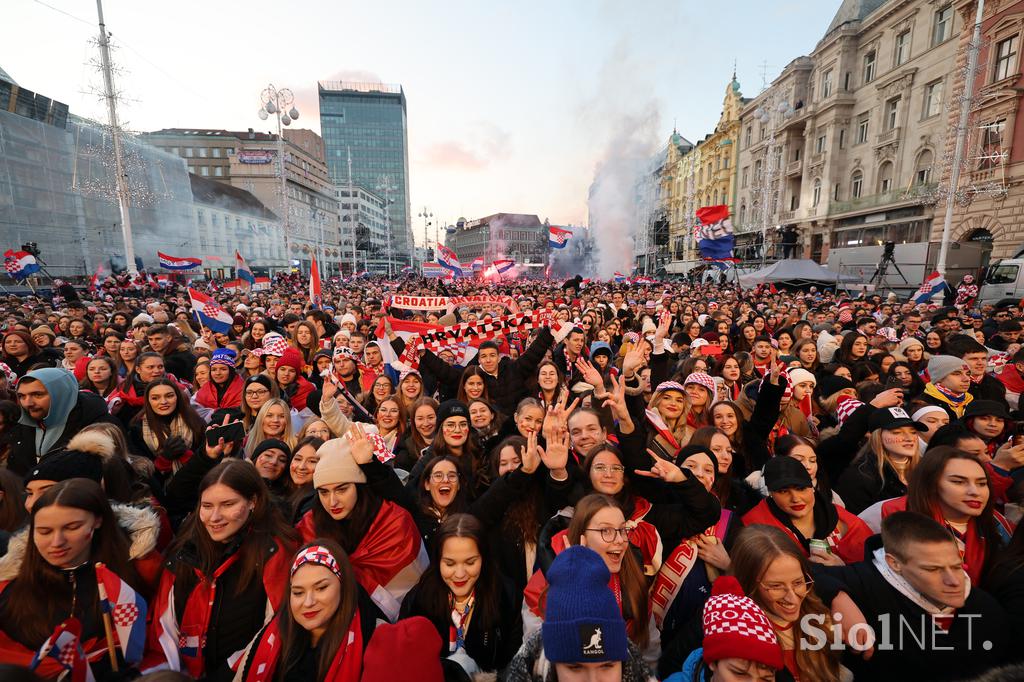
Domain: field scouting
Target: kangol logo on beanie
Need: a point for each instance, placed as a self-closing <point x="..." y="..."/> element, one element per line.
<point x="592" y="640"/>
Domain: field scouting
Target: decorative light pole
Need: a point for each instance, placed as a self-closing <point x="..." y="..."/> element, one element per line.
<point x="384" y="184"/>
<point x="427" y="217"/>
<point x="280" y="105"/>
<point x="771" y="113"/>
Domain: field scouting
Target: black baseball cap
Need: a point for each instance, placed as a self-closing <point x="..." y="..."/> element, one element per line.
<point x="892" y="418"/>
<point x="785" y="472"/>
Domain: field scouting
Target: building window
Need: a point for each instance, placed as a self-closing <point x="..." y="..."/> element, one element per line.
<point x="932" y="99"/>
<point x="204" y="171"/>
<point x="819" y="144"/>
<point x="1006" y="58"/>
<point x="745" y="177"/>
<point x="842" y="139"/>
<point x="748" y="136"/>
<point x="924" y="168"/>
<point x="869" y="67"/>
<point x="862" y="129"/>
<point x="835" y="192"/>
<point x="816" y="193"/>
<point x="201" y="217"/>
<point x="892" y="110"/>
<point x="218" y="171"/>
<point x="901" y="53"/>
<point x="215" y="151"/>
<point x="725" y="162"/>
<point x="188" y="152"/>
<point x="202" y="152"/>
<point x="826" y="84"/>
<point x="757" y="170"/>
<point x="992" y="145"/>
<point x="856" y="185"/>
<point x="942" y="29"/>
<point x="743" y="214"/>
<point x="885" y="177"/>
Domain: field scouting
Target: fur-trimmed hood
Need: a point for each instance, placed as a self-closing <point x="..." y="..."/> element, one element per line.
<point x="141" y="524"/>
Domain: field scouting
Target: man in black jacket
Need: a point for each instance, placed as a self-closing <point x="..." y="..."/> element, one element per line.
<point x="929" y="622"/>
<point x="178" y="359"/>
<point x="984" y="386"/>
<point x="53" y="410"/>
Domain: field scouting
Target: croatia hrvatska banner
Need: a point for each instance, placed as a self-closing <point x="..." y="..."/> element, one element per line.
<point x="447" y="302"/>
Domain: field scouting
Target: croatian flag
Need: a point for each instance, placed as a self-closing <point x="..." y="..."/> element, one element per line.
<point x="432" y="270"/>
<point x="447" y="259"/>
<point x="619" y="278"/>
<point x="503" y="265"/>
<point x="644" y="280"/>
<point x="933" y="284"/>
<point x="714" y="234"/>
<point x="558" y="236"/>
<point x="65" y="647"/>
<point x="98" y="277"/>
<point x="477" y="264"/>
<point x="127" y="611"/>
<point x="407" y="270"/>
<point x="209" y="313"/>
<point x="315" y="291"/>
<point x="172" y="263"/>
<point x="242" y="270"/>
<point x="20" y="264"/>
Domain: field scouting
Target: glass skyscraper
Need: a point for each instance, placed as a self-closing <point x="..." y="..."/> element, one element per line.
<point x="368" y="122"/>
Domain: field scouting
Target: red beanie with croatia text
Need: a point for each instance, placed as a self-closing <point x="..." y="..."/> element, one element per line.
<point x="736" y="627"/>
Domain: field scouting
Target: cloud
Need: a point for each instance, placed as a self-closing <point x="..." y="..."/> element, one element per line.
<point x="482" y="145"/>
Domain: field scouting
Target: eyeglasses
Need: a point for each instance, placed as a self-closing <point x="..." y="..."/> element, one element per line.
<point x="608" y="534"/>
<point x="441" y="476"/>
<point x="606" y="468"/>
<point x="455" y="426"/>
<point x="255" y="393"/>
<point x="779" y="590"/>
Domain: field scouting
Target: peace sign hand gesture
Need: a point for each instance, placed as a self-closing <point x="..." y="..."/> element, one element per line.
<point x="360" y="443"/>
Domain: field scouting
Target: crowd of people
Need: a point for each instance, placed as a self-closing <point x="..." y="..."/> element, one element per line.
<point x="519" y="480"/>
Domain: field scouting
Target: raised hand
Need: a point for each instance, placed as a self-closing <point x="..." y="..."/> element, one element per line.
<point x="531" y="455"/>
<point x="634" y="359"/>
<point x="330" y="388"/>
<point x="773" y="375"/>
<point x="663" y="469"/>
<point x="616" y="399"/>
<point x="222" y="448"/>
<point x="556" y="455"/>
<point x="360" y="443"/>
<point x="713" y="552"/>
<point x="590" y="374"/>
<point x="664" y="323"/>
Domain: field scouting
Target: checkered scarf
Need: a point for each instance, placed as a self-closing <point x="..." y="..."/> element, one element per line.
<point x="481" y="330"/>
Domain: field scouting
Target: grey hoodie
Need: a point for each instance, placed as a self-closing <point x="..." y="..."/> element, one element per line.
<point x="63" y="389"/>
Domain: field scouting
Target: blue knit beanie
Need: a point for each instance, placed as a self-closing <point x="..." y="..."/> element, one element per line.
<point x="582" y="621"/>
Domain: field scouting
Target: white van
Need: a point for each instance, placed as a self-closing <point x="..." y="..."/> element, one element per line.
<point x="1003" y="279"/>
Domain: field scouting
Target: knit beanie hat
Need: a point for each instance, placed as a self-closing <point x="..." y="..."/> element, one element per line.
<point x="582" y="620"/>
<point x="336" y="464"/>
<point x="271" y="444"/>
<point x="291" y="358"/>
<point x="941" y="366"/>
<point x="799" y="375"/>
<point x="413" y="641"/>
<point x="223" y="356"/>
<point x="66" y="464"/>
<point x="736" y="627"/>
<point x="908" y="343"/>
<point x="451" y="408"/>
<point x="261" y="379"/>
<point x="701" y="379"/>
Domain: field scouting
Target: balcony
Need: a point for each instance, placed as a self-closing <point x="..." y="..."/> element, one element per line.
<point x="788" y="216"/>
<point x="889" y="135"/>
<point x="795" y="167"/>
<point x="919" y="194"/>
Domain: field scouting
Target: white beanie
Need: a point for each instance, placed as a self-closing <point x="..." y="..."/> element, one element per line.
<point x="799" y="375"/>
<point x="336" y="464"/>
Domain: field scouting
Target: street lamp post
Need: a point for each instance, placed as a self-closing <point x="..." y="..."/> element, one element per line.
<point x="274" y="101"/>
<point x="427" y="217"/>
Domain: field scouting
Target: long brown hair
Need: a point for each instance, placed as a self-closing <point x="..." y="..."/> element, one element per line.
<point x="295" y="639"/>
<point x="923" y="493"/>
<point x="635" y="602"/>
<point x="12" y="506"/>
<point x="520" y="517"/>
<point x="40" y="596"/>
<point x="472" y="371"/>
<point x="418" y="441"/>
<point x="756" y="547"/>
<point x="308" y="353"/>
<point x="161" y="426"/>
<point x="263" y="528"/>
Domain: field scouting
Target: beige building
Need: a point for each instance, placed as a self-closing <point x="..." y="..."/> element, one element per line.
<point x="859" y="129"/>
<point x="248" y="160"/>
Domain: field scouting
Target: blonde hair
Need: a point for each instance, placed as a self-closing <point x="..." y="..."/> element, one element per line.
<point x="256" y="433"/>
<point x="680" y="431"/>
<point x="876" y="448"/>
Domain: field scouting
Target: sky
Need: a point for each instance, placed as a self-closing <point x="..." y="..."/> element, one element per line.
<point x="511" y="105"/>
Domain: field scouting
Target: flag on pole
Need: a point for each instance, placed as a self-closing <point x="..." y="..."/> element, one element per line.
<point x="503" y="265"/>
<point x="209" y="313"/>
<point x="315" y="294"/>
<point x="20" y="264"/>
<point x="174" y="263"/>
<point x="242" y="270"/>
<point x="432" y="270"/>
<point x="477" y="264"/>
<point x="65" y="647"/>
<point x="558" y="236"/>
<point x="407" y="270"/>
<point x="933" y="284"/>
<point x="619" y="277"/>
<point x="127" y="611"/>
<point x="714" y="234"/>
<point x="447" y="259"/>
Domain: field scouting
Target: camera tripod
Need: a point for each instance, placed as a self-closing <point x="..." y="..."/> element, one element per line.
<point x="883" y="268"/>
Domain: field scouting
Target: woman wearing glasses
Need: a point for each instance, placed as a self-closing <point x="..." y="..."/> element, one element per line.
<point x="256" y="391"/>
<point x="599" y="523"/>
<point x="453" y="438"/>
<point x="773" y="571"/>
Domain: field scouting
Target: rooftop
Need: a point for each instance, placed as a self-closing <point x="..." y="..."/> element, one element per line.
<point x="507" y="220"/>
<point x="355" y="86"/>
<point x="225" y="196"/>
<point x="853" y="10"/>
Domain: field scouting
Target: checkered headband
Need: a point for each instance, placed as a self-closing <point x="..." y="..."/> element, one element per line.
<point x="274" y="344"/>
<point x="319" y="555"/>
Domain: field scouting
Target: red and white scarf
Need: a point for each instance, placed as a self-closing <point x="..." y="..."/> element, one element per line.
<point x="481" y="330"/>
